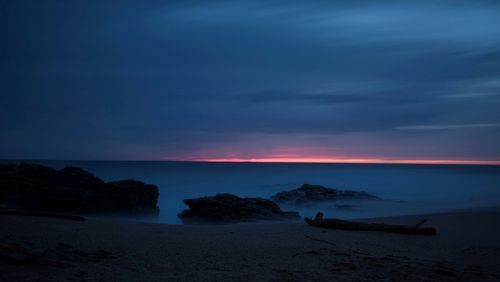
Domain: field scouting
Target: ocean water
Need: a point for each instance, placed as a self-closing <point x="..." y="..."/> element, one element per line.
<point x="404" y="189"/>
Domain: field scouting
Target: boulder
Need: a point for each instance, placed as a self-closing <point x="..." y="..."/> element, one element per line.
<point x="37" y="187"/>
<point x="308" y="193"/>
<point x="231" y="208"/>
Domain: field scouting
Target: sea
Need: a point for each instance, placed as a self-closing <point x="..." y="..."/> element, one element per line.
<point x="403" y="189"/>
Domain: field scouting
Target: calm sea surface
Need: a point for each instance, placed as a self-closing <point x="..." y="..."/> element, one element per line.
<point x="405" y="189"/>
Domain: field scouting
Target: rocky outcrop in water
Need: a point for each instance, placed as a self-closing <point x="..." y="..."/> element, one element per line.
<point x="37" y="187"/>
<point x="308" y="193"/>
<point x="231" y="208"/>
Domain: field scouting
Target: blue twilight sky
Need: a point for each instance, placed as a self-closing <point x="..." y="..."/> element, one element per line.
<point x="249" y="79"/>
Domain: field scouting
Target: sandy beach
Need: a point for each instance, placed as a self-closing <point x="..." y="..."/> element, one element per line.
<point x="466" y="248"/>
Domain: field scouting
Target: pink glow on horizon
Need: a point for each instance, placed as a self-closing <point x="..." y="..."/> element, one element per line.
<point x="345" y="160"/>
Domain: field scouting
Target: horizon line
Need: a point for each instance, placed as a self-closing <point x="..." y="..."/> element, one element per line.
<point x="346" y="161"/>
<point x="287" y="160"/>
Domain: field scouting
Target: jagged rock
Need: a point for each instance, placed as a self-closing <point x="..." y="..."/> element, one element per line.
<point x="308" y="193"/>
<point x="37" y="187"/>
<point x="231" y="208"/>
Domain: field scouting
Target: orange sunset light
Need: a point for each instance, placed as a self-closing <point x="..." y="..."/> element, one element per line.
<point x="346" y="160"/>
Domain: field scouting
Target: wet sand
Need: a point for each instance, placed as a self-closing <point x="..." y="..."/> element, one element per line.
<point x="466" y="248"/>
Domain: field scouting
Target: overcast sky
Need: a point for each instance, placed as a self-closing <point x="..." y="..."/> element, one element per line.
<point x="250" y="79"/>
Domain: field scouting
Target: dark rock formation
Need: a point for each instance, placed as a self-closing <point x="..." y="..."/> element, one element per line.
<point x="231" y="208"/>
<point x="37" y="187"/>
<point x="308" y="193"/>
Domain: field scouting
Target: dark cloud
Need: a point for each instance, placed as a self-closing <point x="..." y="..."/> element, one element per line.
<point x="93" y="79"/>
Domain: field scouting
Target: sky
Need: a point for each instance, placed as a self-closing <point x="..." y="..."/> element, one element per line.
<point x="354" y="81"/>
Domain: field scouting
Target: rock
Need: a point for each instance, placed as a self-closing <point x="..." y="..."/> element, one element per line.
<point x="231" y="208"/>
<point x="37" y="187"/>
<point x="308" y="193"/>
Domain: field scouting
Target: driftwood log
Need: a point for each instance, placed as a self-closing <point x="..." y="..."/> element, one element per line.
<point x="334" y="223"/>
<point x="42" y="214"/>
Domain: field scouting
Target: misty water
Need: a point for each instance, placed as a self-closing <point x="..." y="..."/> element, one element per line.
<point x="404" y="189"/>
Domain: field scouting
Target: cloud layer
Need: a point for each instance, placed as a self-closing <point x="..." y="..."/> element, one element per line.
<point x="241" y="79"/>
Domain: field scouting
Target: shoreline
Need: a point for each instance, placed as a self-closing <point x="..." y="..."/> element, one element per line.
<point x="465" y="248"/>
<point x="127" y="218"/>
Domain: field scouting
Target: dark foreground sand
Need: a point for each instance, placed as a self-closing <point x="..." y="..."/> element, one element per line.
<point x="467" y="248"/>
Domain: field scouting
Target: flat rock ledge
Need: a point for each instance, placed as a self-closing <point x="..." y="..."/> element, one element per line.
<point x="228" y="208"/>
<point x="72" y="189"/>
<point x="308" y="194"/>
